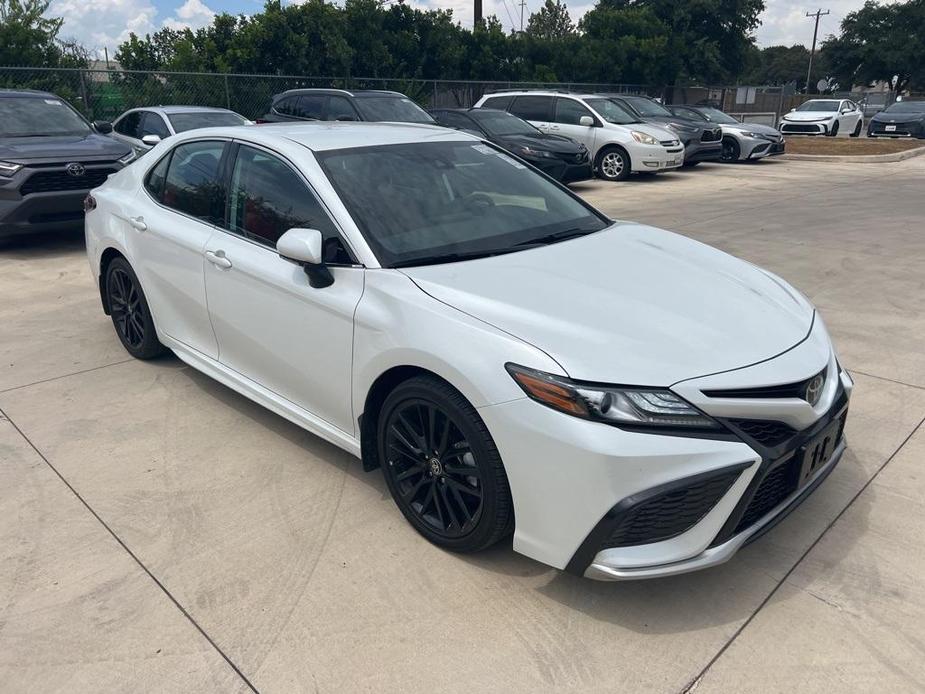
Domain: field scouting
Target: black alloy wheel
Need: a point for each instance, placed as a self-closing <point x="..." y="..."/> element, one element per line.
<point x="442" y="467"/>
<point x="834" y="131"/>
<point x="731" y="151"/>
<point x="129" y="311"/>
<point x="857" y="129"/>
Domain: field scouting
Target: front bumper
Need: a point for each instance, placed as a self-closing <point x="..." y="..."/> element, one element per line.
<point x="653" y="158"/>
<point x="758" y="148"/>
<point x="798" y="128"/>
<point x="564" y="171"/>
<point x="908" y="129"/>
<point x="571" y="479"/>
<point x="697" y="151"/>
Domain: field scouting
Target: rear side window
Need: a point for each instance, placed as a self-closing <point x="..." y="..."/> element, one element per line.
<point x="532" y="107"/>
<point x="156" y="177"/>
<point x="128" y="125"/>
<point x="499" y="102"/>
<point x="193" y="184"/>
<point x="268" y="199"/>
<point x="311" y="106"/>
<point x="456" y="120"/>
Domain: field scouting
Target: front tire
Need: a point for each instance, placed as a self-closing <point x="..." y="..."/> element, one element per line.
<point x="834" y="131"/>
<point x="613" y="164"/>
<point x="129" y="311"/>
<point x="442" y="466"/>
<point x="857" y="130"/>
<point x="731" y="150"/>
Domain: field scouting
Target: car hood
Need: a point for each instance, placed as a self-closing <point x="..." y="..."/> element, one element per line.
<point x="898" y="117"/>
<point x="691" y="128"/>
<point x="61" y="148"/>
<point x="551" y="143"/>
<point x="752" y="128"/>
<point x="630" y="305"/>
<point x="656" y="130"/>
<point x="797" y="116"/>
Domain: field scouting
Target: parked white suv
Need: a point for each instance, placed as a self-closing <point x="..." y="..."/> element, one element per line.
<point x="618" y="141"/>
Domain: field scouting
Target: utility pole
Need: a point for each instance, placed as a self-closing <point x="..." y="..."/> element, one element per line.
<point x="817" y="14"/>
<point x="523" y="4"/>
<point x="477" y="11"/>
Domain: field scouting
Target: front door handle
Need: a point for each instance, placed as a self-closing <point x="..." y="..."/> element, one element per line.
<point x="218" y="258"/>
<point x="138" y="223"/>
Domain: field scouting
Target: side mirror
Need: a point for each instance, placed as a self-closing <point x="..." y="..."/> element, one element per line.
<point x="305" y="247"/>
<point x="104" y="127"/>
<point x="151" y="140"/>
<point x="792" y="110"/>
<point x="586" y="121"/>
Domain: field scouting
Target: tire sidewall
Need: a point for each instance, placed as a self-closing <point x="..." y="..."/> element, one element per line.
<point x="735" y="149"/>
<point x="150" y="346"/>
<point x="627" y="166"/>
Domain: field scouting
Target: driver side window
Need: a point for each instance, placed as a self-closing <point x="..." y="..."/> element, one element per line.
<point x="569" y="112"/>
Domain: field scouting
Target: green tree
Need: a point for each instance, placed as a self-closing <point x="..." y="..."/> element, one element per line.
<point x="551" y="22"/>
<point x="27" y="36"/>
<point x="880" y="43"/>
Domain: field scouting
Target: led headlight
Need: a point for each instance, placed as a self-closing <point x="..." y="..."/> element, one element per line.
<point x="643" y="138"/>
<point x="8" y="168"/>
<point x="626" y="405"/>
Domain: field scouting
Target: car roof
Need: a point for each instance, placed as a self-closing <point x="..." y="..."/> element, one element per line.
<point x="359" y="93"/>
<point x="185" y="109"/>
<point x="320" y="136"/>
<point x="27" y="92"/>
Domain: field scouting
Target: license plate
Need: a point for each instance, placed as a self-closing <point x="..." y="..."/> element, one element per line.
<point x="818" y="452"/>
<point x="890" y="128"/>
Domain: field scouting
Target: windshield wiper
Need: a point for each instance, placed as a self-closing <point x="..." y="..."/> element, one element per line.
<point x="451" y="257"/>
<point x="557" y="236"/>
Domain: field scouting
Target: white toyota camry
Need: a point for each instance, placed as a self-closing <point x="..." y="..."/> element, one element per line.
<point x="627" y="402"/>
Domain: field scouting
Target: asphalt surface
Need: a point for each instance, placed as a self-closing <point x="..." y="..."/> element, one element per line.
<point x="160" y="533"/>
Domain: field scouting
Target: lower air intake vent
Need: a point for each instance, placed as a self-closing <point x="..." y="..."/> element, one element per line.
<point x="766" y="432"/>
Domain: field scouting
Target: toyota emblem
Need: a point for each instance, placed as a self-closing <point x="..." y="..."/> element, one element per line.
<point x="814" y="389"/>
<point x="75" y="169"/>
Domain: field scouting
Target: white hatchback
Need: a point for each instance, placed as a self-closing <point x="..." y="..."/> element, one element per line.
<point x="619" y="143"/>
<point x="627" y="402"/>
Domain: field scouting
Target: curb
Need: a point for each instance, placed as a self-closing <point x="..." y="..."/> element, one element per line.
<point x="857" y="158"/>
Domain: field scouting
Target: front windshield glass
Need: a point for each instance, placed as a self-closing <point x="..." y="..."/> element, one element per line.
<point x="501" y="123"/>
<point x="392" y="108"/>
<point x="182" y="122"/>
<point x="437" y="202"/>
<point x="906" y="107"/>
<point x="611" y="111"/>
<point x="819" y="105"/>
<point x="647" y="107"/>
<point x="714" y="115"/>
<point x="31" y="116"/>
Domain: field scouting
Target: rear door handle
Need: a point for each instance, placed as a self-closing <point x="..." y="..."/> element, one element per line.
<point x="218" y="258"/>
<point x="138" y="223"/>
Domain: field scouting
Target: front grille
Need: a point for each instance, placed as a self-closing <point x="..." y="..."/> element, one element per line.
<point x="800" y="128"/>
<point x="765" y="431"/>
<point x="776" y="486"/>
<point x="669" y="143"/>
<point x="47" y="181"/>
<point x="786" y="390"/>
<point x="671" y="513"/>
<point x="712" y="135"/>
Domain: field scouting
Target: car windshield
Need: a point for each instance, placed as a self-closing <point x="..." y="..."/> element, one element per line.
<point x="182" y="122"/>
<point x="906" y="107"/>
<point x="392" y="108"/>
<point x="647" y="107"/>
<point x="439" y="202"/>
<point x="31" y="116"/>
<point x="611" y="111"/>
<point x="819" y="105"/>
<point x="714" y="115"/>
<point x="501" y="123"/>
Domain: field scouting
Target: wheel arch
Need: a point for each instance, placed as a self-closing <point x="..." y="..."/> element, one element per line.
<point x="106" y="257"/>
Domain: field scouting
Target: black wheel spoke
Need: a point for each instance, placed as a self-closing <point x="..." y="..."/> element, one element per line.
<point x="463" y="470"/>
<point x="410" y="472"/>
<point x="461" y="502"/>
<point x="464" y="488"/>
<point x="449" y="507"/>
<point x="411" y="493"/>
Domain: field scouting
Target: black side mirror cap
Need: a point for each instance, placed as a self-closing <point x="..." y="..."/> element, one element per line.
<point x="104" y="127"/>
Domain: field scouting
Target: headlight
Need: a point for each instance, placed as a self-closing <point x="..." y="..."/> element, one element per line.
<point x="756" y="135"/>
<point x="8" y="168"/>
<point x="534" y="153"/>
<point x="643" y="138"/>
<point x="629" y="406"/>
<point x="128" y="158"/>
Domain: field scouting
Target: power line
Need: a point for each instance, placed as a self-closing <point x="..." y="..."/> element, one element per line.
<point x="809" y="71"/>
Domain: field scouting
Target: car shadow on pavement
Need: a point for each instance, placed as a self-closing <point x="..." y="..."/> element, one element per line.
<point x="37" y="246"/>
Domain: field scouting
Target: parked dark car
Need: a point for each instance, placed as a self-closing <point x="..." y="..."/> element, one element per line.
<point x="50" y="158"/>
<point x="339" y="104"/>
<point x="702" y="141"/>
<point x="556" y="156"/>
<point x="902" y="119"/>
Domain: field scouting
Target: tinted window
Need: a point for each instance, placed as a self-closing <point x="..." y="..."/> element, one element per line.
<point x="339" y="108"/>
<point x="907" y="107"/>
<point x="399" y="109"/>
<point x="153" y="124"/>
<point x="499" y="102"/>
<point x="182" y="122"/>
<point x="156" y="178"/>
<point x="452" y="119"/>
<point x="42" y="116"/>
<point x="193" y="184"/>
<point x="310" y="106"/>
<point x="287" y="106"/>
<point x="503" y="123"/>
<point x="128" y="125"/>
<point x="612" y="112"/>
<point x="532" y="107"/>
<point x="569" y="111"/>
<point x="268" y="198"/>
<point x="647" y="107"/>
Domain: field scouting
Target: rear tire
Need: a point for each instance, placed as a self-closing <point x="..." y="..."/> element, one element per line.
<point x="442" y="466"/>
<point x="613" y="164"/>
<point x="129" y="311"/>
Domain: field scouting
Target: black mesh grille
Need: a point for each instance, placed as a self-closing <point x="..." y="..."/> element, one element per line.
<point x="777" y="485"/>
<point x="787" y="390"/>
<point x="798" y="128"/>
<point x="669" y="514"/>
<point x="46" y="181"/>
<point x="764" y="431"/>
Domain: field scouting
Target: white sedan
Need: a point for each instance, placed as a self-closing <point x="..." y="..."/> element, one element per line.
<point x="627" y="402"/>
<point x="824" y="117"/>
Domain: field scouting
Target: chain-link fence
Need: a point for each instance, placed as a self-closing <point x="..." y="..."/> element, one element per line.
<point x="104" y="94"/>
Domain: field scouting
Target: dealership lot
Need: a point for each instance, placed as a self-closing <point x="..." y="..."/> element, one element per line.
<point x="161" y="532"/>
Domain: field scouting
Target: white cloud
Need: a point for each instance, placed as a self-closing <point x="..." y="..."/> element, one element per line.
<point x="99" y="23"/>
<point x="193" y="14"/>
<point x="784" y="22"/>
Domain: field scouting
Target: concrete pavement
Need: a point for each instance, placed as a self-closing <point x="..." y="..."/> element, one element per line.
<point x="158" y="532"/>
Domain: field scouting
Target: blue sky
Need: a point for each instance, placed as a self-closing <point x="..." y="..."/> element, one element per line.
<point x="99" y="23"/>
